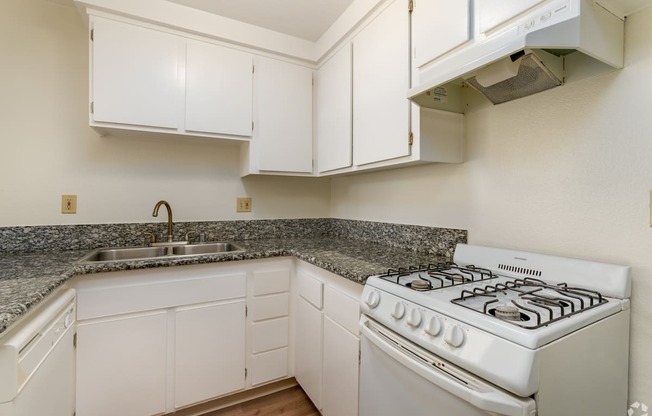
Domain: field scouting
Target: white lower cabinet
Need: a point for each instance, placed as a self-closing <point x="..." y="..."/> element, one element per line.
<point x="153" y="341"/>
<point x="208" y="356"/>
<point x="340" y="378"/>
<point x="268" y="323"/>
<point x="326" y="341"/>
<point x="308" y="350"/>
<point x="121" y="365"/>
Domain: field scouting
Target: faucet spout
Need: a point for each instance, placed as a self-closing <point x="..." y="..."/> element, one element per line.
<point x="155" y="214"/>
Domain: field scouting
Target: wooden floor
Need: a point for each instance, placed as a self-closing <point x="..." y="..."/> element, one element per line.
<point x="289" y="402"/>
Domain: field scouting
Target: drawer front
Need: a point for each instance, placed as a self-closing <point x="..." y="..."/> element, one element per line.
<point x="310" y="288"/>
<point x="271" y="306"/>
<point x="120" y="299"/>
<point x="269" y="335"/>
<point x="342" y="309"/>
<point x="272" y="281"/>
<point x="269" y="366"/>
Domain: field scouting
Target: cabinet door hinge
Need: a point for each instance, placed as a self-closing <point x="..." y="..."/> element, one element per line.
<point x="411" y="6"/>
<point x="92" y="35"/>
<point x="411" y="139"/>
<point x="246" y="311"/>
<point x="245" y="373"/>
<point x="253" y="69"/>
<point x="92" y="107"/>
<point x="252" y="126"/>
<point x="74" y="340"/>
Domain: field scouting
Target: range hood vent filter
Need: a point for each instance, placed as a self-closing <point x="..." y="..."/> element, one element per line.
<point x="532" y="77"/>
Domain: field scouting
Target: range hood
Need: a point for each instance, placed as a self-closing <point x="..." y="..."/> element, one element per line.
<point x="557" y="42"/>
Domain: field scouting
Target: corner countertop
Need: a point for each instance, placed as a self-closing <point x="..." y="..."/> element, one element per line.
<point x="27" y="278"/>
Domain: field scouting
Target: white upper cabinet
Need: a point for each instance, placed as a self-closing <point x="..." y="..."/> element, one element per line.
<point x="135" y="73"/>
<point x="334" y="111"/>
<point x="282" y="140"/>
<point x="439" y="26"/>
<point x="146" y="79"/>
<point x="493" y="13"/>
<point x="219" y="87"/>
<point x="381" y="78"/>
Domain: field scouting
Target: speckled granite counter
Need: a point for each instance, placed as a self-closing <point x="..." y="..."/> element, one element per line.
<point x="27" y="278"/>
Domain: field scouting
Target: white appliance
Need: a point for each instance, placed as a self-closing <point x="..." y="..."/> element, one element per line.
<point x="497" y="332"/>
<point x="545" y="46"/>
<point x="37" y="362"/>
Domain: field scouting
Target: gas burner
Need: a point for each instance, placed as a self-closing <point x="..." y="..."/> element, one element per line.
<point x="508" y="313"/>
<point x="420" y="285"/>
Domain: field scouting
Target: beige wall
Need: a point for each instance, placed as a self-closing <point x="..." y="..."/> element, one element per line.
<point x="564" y="172"/>
<point x="49" y="150"/>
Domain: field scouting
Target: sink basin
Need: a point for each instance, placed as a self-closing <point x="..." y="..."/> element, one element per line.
<point x="127" y="253"/>
<point x="206" y="248"/>
<point x="143" y="253"/>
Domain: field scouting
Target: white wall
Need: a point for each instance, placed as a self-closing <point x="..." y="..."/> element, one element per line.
<point x="48" y="149"/>
<point x="565" y="172"/>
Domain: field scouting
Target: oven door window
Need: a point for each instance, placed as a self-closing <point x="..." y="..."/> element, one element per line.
<point x="397" y="377"/>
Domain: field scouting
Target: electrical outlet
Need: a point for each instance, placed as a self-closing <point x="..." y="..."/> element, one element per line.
<point x="243" y="205"/>
<point x="68" y="204"/>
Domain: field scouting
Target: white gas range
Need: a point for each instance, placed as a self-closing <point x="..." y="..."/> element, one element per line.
<point x="496" y="332"/>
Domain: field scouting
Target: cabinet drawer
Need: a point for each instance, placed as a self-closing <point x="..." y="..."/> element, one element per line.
<point x="310" y="289"/>
<point x="270" y="335"/>
<point x="269" y="366"/>
<point x="121" y="298"/>
<point x="268" y="307"/>
<point x="342" y="309"/>
<point x="273" y="281"/>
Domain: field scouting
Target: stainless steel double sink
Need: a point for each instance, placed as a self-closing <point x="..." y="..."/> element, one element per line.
<point x="161" y="251"/>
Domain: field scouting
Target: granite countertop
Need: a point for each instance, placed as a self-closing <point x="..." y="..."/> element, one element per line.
<point x="27" y="278"/>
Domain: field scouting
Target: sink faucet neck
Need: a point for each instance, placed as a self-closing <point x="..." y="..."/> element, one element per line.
<point x="170" y="226"/>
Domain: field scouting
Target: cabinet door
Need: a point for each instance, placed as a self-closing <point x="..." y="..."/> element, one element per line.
<point x="381" y="75"/>
<point x="334" y="111"/>
<point x="121" y="366"/>
<point x="283" y="127"/>
<point x="340" y="371"/>
<point x="308" y="350"/>
<point x="209" y="351"/>
<point x="437" y="27"/>
<point x="135" y="75"/>
<point x="496" y="12"/>
<point x="219" y="84"/>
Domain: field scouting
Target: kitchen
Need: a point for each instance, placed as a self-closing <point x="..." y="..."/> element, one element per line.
<point x="562" y="172"/>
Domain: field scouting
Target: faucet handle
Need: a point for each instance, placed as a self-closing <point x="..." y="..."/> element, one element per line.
<point x="150" y="238"/>
<point x="190" y="234"/>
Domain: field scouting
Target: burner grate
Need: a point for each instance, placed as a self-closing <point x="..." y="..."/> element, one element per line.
<point x="536" y="302"/>
<point x="437" y="276"/>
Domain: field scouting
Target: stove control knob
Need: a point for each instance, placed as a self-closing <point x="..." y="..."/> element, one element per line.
<point x="399" y="310"/>
<point x="433" y="327"/>
<point x="414" y="318"/>
<point x="454" y="336"/>
<point x="372" y="299"/>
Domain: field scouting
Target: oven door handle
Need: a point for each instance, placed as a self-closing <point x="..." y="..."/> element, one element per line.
<point x="482" y="395"/>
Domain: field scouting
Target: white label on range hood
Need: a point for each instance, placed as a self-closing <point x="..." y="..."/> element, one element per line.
<point x="439" y="94"/>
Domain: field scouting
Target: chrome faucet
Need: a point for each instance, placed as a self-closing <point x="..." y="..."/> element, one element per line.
<point x="155" y="214"/>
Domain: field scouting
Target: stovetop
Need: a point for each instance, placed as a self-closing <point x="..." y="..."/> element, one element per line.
<point x="527" y="298"/>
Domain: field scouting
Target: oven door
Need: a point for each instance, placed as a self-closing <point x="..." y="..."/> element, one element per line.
<point x="399" y="378"/>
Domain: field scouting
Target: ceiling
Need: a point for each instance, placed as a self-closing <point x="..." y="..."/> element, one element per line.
<point x="309" y="19"/>
<point x="305" y="19"/>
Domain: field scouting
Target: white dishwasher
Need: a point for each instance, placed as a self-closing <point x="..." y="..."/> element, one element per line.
<point x="37" y="362"/>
